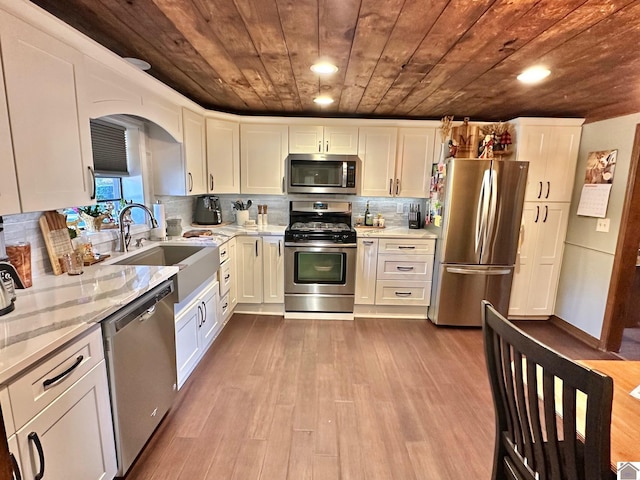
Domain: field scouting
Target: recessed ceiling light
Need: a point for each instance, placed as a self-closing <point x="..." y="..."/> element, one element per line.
<point x="324" y="68"/>
<point x="534" y="74"/>
<point x="136" y="62"/>
<point x="323" y="100"/>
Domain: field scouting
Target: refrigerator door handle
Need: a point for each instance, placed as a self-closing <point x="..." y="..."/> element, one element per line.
<point x="481" y="214"/>
<point x="493" y="206"/>
<point x="470" y="271"/>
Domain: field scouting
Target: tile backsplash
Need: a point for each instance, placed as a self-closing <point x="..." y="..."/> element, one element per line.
<point x="25" y="227"/>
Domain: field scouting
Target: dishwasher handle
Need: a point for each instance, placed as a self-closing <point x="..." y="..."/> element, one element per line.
<point x="140" y="309"/>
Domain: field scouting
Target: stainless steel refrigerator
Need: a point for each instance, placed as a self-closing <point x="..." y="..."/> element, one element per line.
<point x="478" y="239"/>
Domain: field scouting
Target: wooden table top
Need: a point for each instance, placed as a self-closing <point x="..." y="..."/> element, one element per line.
<point x="625" y="415"/>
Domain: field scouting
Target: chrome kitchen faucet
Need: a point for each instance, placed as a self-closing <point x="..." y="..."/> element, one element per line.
<point x="125" y="238"/>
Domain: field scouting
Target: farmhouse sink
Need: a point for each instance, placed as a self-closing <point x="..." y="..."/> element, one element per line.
<point x="197" y="264"/>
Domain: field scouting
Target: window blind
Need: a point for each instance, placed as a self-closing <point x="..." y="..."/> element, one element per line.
<point x="109" y="145"/>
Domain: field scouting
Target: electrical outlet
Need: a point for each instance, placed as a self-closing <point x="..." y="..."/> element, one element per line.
<point x="398" y="207"/>
<point x="602" y="225"/>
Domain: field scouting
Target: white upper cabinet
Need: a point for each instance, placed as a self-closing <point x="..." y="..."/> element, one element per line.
<point x="263" y="150"/>
<point x="179" y="168"/>
<point x="377" y="150"/>
<point x="223" y="156"/>
<point x="318" y="139"/>
<point x="414" y="162"/>
<point x="194" y="152"/>
<point x="45" y="82"/>
<point x="9" y="198"/>
<point x="552" y="153"/>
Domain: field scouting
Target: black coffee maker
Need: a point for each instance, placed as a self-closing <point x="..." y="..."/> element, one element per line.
<point x="207" y="211"/>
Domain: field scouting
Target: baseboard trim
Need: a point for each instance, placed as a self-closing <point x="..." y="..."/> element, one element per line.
<point x="575" y="332"/>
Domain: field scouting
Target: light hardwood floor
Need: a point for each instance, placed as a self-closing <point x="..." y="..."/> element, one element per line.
<point x="371" y="399"/>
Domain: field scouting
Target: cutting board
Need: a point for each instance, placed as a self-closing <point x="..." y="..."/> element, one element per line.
<point x="56" y="238"/>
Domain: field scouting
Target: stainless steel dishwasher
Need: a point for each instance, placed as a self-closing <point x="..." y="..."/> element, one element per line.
<point x="139" y="344"/>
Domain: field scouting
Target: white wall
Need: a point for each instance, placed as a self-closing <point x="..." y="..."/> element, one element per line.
<point x="588" y="256"/>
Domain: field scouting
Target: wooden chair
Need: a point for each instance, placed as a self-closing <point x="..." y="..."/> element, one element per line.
<point x="538" y="403"/>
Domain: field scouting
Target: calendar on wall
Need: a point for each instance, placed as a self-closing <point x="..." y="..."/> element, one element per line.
<point x="598" y="180"/>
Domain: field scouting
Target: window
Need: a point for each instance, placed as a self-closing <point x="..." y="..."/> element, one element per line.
<point x="119" y="158"/>
<point x="108" y="189"/>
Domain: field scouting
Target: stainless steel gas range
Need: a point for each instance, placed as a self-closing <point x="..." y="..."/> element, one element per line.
<point x="319" y="258"/>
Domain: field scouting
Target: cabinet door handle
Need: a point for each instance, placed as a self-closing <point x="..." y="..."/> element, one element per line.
<point x="50" y="381"/>
<point x="540" y="189"/>
<point x="223" y="253"/>
<point x="327" y="146"/>
<point x="548" y="189"/>
<point x="227" y="276"/>
<point x="279" y="252"/>
<point x="211" y="181"/>
<point x="93" y="181"/>
<point x="200" y="322"/>
<point x="15" y="467"/>
<point x="397" y="186"/>
<point x="403" y="294"/>
<point x="546" y="213"/>
<point x="390" y="186"/>
<point x="367" y="242"/>
<point x="407" y="247"/>
<point x="282" y="184"/>
<point x="225" y="306"/>
<point x="190" y="181"/>
<point x="537" y="214"/>
<point x="204" y="312"/>
<point x="404" y="269"/>
<point x="319" y="146"/>
<point x="33" y="437"/>
<point x="256" y="248"/>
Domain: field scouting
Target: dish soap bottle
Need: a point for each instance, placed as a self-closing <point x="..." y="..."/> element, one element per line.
<point x="368" y="218"/>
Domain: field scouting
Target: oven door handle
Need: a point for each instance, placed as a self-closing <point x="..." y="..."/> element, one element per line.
<point x="320" y="244"/>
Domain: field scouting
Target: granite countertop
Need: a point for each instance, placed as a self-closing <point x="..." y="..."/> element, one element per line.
<point x="59" y="308"/>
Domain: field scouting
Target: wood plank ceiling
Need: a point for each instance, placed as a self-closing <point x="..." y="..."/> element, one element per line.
<point x="396" y="58"/>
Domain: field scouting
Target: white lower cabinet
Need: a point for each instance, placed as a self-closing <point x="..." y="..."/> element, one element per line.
<point x="260" y="269"/>
<point x="14" y="451"/>
<point x="72" y="438"/>
<point x="62" y="415"/>
<point x="197" y="326"/>
<point x="394" y="272"/>
<point x="535" y="282"/>
<point x="366" y="263"/>
<point x="227" y="280"/>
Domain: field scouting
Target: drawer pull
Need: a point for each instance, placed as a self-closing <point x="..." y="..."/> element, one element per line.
<point x="403" y="294"/>
<point x="227" y="276"/>
<point x="16" y="468"/>
<point x="407" y="247"/>
<point x="33" y="437"/>
<point x="404" y="269"/>
<point x="367" y="242"/>
<point x="50" y="381"/>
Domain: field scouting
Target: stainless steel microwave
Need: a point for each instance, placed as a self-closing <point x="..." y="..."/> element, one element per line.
<point x="321" y="173"/>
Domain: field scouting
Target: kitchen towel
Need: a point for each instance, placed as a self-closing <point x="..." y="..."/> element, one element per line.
<point x="159" y="233"/>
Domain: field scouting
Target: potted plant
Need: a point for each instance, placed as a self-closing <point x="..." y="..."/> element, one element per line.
<point x="92" y="217"/>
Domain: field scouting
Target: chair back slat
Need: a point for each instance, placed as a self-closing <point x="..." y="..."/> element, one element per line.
<point x="535" y="392"/>
<point x="551" y="428"/>
<point x="523" y="411"/>
<point x="570" y="433"/>
<point x="539" y="463"/>
<point x="515" y="430"/>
